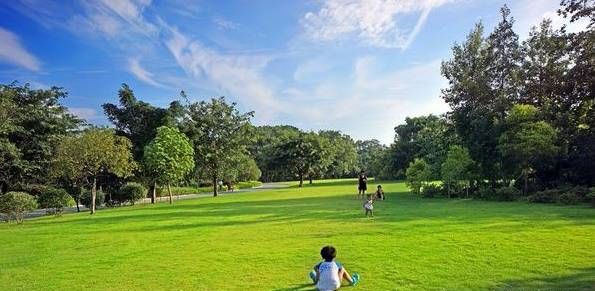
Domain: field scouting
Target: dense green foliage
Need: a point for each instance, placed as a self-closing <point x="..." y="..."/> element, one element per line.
<point x="418" y="173"/>
<point x="31" y="122"/>
<point x="457" y="170"/>
<point x="131" y="192"/>
<point x="55" y="199"/>
<point x="15" y="204"/>
<point x="478" y="245"/>
<point x="169" y="157"/>
<point x="86" y="156"/>
<point x="219" y="134"/>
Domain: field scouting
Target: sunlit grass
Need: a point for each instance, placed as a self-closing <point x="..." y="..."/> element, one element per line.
<point x="269" y="241"/>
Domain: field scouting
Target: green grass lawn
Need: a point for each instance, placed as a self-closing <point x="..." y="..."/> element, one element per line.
<point x="270" y="240"/>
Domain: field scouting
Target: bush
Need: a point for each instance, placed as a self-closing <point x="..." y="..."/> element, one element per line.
<point x="248" y="184"/>
<point x="506" y="194"/>
<point x="432" y="190"/>
<point x="484" y="192"/>
<point x="546" y="196"/>
<point x="131" y="192"/>
<point x="581" y="192"/>
<point x="55" y="200"/>
<point x="590" y="198"/>
<point x="15" y="204"/>
<point x="34" y="190"/>
<point x="569" y="198"/>
<point x="86" y="198"/>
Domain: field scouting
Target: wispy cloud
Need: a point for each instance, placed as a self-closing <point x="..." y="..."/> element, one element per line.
<point x="86" y="113"/>
<point x="13" y="52"/>
<point x="237" y="75"/>
<point x="140" y="73"/>
<point x="224" y="24"/>
<point x="373" y="22"/>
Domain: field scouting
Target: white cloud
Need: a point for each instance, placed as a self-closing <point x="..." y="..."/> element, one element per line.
<point x="370" y="102"/>
<point x="373" y="22"/>
<point x="86" y="113"/>
<point x="530" y="13"/>
<point x="140" y="73"/>
<point x="237" y="75"/>
<point x="311" y="69"/>
<point x="224" y="24"/>
<point x="13" y="52"/>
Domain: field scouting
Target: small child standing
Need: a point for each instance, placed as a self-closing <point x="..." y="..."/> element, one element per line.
<point x="327" y="275"/>
<point x="369" y="206"/>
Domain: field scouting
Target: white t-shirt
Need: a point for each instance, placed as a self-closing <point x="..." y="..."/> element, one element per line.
<point x="369" y="205"/>
<point x="329" y="276"/>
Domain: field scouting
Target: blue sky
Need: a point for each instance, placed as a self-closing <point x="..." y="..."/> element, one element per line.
<point x="356" y="66"/>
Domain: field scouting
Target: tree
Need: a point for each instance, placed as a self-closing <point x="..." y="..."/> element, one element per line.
<point x="169" y="157"/>
<point x="219" y="134"/>
<point x="301" y="155"/>
<point x="262" y="149"/>
<point x="31" y="122"/>
<point x="368" y="156"/>
<point x="340" y="153"/>
<point x="526" y="141"/>
<point x="16" y="204"/>
<point x="418" y="173"/>
<point x="456" y="169"/>
<point x="138" y="121"/>
<point x="55" y="199"/>
<point x="92" y="153"/>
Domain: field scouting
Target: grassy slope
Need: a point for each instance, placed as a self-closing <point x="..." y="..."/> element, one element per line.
<point x="269" y="241"/>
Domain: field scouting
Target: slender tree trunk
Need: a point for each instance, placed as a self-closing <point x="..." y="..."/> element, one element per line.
<point x="215" y="186"/>
<point x="301" y="180"/>
<point x="171" y="199"/>
<point x="526" y="177"/>
<point x="78" y="201"/>
<point x="93" y="195"/>
<point x="310" y="177"/>
<point x="154" y="194"/>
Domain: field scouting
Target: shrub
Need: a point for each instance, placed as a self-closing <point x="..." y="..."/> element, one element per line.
<point x="86" y="198"/>
<point x="432" y="190"/>
<point x="590" y="198"/>
<point x="484" y="192"/>
<point x="546" y="196"/>
<point x="132" y="192"/>
<point x="34" y="189"/>
<point x="569" y="198"/>
<point x="55" y="200"/>
<point x="506" y="194"/>
<point x="581" y="192"/>
<point x="15" y="204"/>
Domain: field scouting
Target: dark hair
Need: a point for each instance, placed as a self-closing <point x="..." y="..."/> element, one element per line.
<point x="379" y="186"/>
<point x="328" y="253"/>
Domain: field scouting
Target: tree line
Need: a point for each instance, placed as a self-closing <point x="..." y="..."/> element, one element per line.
<point x="522" y="114"/>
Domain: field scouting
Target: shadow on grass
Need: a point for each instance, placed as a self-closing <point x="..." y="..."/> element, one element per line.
<point x="300" y="287"/>
<point x="400" y="212"/>
<point x="582" y="279"/>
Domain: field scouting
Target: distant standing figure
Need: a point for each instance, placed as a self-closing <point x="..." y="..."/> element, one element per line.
<point x="380" y="193"/>
<point x="369" y="206"/>
<point x="362" y="184"/>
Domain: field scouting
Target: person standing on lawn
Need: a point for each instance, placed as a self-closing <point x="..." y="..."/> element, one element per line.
<point x="362" y="184"/>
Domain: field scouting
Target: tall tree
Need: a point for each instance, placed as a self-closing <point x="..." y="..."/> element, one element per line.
<point x="369" y="154"/>
<point x="418" y="173"/>
<point x="92" y="153"/>
<point x="526" y="141"/>
<point x="457" y="169"/>
<point x="301" y="155"/>
<point x="266" y="140"/>
<point x="219" y="133"/>
<point x="340" y="153"/>
<point x="32" y="121"/>
<point x="169" y="157"/>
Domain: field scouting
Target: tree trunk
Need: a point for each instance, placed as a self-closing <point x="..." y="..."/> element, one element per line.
<point x="93" y="195"/>
<point x="171" y="200"/>
<point x="215" y="186"/>
<point x="154" y="194"/>
<point x="526" y="177"/>
<point x="78" y="201"/>
<point x="301" y="180"/>
<point x="310" y="178"/>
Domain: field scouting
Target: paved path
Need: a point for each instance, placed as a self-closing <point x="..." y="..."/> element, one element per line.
<point x="263" y="187"/>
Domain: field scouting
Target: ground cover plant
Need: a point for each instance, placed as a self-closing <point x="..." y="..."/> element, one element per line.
<point x="269" y="240"/>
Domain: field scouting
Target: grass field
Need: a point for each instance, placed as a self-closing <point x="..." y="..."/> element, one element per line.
<point x="270" y="240"/>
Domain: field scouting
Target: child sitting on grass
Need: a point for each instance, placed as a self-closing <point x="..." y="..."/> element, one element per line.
<point x="380" y="193"/>
<point x="369" y="206"/>
<point x="327" y="275"/>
